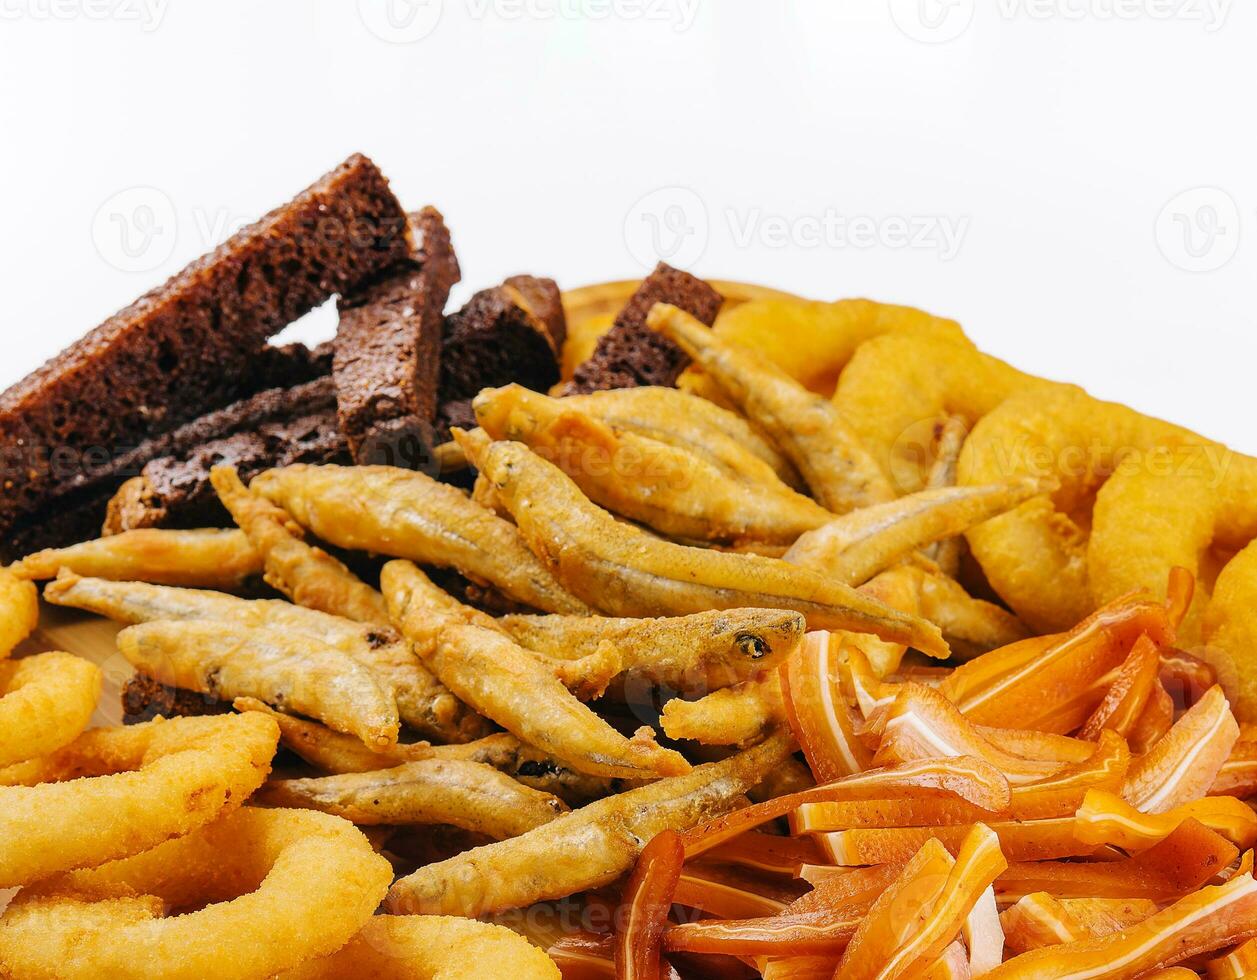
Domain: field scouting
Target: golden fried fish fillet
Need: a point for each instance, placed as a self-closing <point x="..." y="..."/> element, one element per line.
<point x="840" y="472"/>
<point x="626" y="572"/>
<point x="680" y="419"/>
<point x="406" y="514"/>
<point x="512" y="687"/>
<point x="309" y="576"/>
<point x="674" y="491"/>
<point x="295" y="672"/>
<point x="734" y="715"/>
<point x="335" y="754"/>
<point x="207" y="559"/>
<point x="586" y="848"/>
<point x="949" y="438"/>
<point x="706" y="650"/>
<point x="423" y="702"/>
<point x="452" y="792"/>
<point x="855" y="547"/>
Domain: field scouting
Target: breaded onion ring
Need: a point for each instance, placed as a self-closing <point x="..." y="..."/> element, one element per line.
<point x="19" y="611"/>
<point x="1230" y="632"/>
<point x="900" y="386"/>
<point x="114" y="792"/>
<point x="1036" y="556"/>
<point x="270" y="889"/>
<point x="45" y="702"/>
<point x="431" y="947"/>
<point x="814" y="341"/>
<point x="1152" y="518"/>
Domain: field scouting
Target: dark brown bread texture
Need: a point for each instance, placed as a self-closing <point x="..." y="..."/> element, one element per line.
<point x="187" y="347"/>
<point x="630" y="354"/>
<point x="275" y="428"/>
<point x="144" y="698"/>
<point x="510" y="333"/>
<point x="388" y="349"/>
<point x="79" y="508"/>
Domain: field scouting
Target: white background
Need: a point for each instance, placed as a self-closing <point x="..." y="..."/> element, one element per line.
<point x="1055" y="138"/>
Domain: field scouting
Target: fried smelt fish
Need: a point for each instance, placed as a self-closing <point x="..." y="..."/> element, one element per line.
<point x="423" y="702"/>
<point x="430" y="947"/>
<point x="972" y="626"/>
<point x="706" y="650"/>
<point x="508" y="685"/>
<point x="733" y="715"/>
<point x="409" y="515"/>
<point x="208" y="559"/>
<point x="294" y="672"/>
<point x="840" y="472"/>
<point x="309" y="576"/>
<point x="627" y="572"/>
<point x="335" y="753"/>
<point x="429" y="609"/>
<point x="856" y="546"/>
<point x="511" y="686"/>
<point x="586" y="848"/>
<point x="457" y="793"/>
<point x="949" y="438"/>
<point x="686" y="421"/>
<point x="670" y="489"/>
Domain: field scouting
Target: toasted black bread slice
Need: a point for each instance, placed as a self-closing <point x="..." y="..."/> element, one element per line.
<point x="630" y="354"/>
<point x="509" y="333"/>
<point x="188" y="346"/>
<point x="388" y="349"/>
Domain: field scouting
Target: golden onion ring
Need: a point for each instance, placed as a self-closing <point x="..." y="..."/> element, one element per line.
<point x="45" y="703"/>
<point x="431" y="947"/>
<point x="19" y="610"/>
<point x="266" y="890"/>
<point x="114" y="792"/>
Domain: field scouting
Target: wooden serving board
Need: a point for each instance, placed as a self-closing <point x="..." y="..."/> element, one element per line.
<point x="92" y="638"/>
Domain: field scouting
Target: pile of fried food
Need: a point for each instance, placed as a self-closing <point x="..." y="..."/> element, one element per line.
<point x="947" y="668"/>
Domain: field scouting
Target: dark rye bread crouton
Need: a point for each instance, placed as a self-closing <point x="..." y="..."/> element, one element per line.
<point x="79" y="508"/>
<point x="184" y="348"/>
<point x="630" y="354"/>
<point x="144" y="698"/>
<point x="274" y="428"/>
<point x="388" y="349"/>
<point x="510" y="333"/>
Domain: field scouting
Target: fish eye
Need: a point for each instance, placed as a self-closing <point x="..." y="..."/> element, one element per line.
<point x="752" y="646"/>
